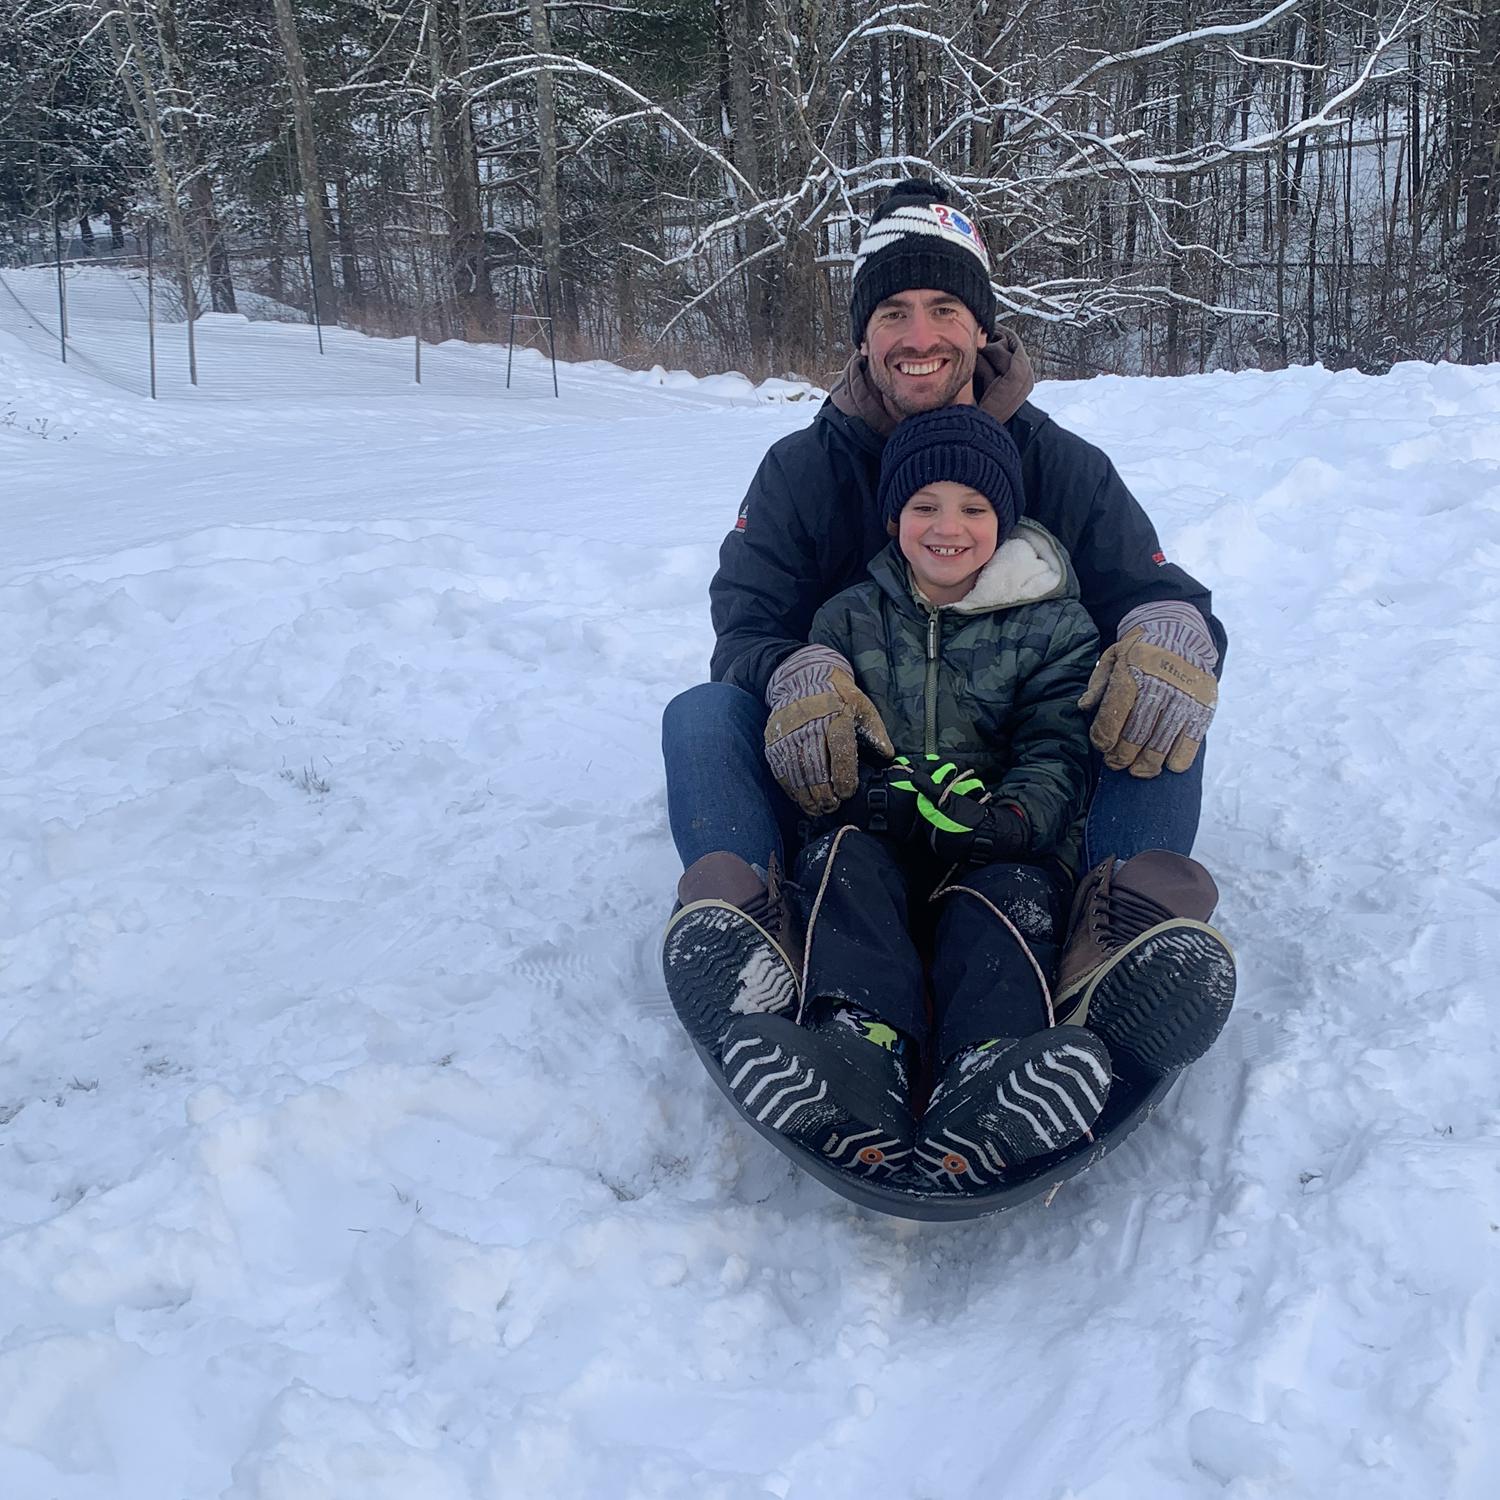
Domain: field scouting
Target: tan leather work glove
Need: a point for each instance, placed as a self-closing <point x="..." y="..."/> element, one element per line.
<point x="1154" y="689"/>
<point x="818" y="719"/>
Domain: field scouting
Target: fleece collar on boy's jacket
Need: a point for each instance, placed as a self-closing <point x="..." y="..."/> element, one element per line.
<point x="1029" y="566"/>
<point x="1003" y="379"/>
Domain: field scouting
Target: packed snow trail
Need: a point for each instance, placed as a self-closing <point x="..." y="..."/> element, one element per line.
<point x="348" y="1146"/>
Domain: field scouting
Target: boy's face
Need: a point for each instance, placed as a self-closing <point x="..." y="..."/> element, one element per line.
<point x="948" y="532"/>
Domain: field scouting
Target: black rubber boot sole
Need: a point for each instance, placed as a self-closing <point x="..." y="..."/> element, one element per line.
<point x="1041" y="1095"/>
<point x="1163" y="999"/>
<point x="806" y="1089"/>
<point x="718" y="964"/>
<point x="910" y="1195"/>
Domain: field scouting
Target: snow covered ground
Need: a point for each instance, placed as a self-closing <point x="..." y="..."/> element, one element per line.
<point x="348" y="1147"/>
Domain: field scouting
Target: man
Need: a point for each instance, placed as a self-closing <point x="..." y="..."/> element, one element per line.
<point x="922" y="317"/>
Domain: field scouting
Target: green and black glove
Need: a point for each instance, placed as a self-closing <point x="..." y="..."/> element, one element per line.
<point x="950" y="811"/>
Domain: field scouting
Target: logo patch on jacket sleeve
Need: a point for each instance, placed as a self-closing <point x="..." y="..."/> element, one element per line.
<point x="739" y="524"/>
<point x="1159" y="558"/>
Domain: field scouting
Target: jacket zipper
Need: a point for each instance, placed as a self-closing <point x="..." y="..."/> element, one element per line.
<point x="933" y="644"/>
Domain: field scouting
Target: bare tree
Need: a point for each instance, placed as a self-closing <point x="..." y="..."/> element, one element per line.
<point x="1480" y="256"/>
<point x="136" y="79"/>
<point x="307" y="158"/>
<point x="451" y="141"/>
<point x="1175" y="185"/>
<point x="180" y="114"/>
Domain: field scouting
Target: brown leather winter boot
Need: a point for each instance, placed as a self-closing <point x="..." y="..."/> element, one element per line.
<point x="733" y="947"/>
<point x="1142" y="967"/>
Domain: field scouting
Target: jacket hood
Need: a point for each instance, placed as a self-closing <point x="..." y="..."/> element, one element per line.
<point x="1029" y="566"/>
<point x="1003" y="379"/>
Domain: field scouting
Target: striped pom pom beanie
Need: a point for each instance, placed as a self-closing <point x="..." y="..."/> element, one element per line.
<point x="916" y="240"/>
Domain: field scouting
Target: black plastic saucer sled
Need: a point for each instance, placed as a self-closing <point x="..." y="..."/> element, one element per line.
<point x="1132" y="1099"/>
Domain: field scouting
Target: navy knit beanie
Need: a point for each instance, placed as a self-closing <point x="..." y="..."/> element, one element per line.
<point x="962" y="445"/>
<point x="915" y="240"/>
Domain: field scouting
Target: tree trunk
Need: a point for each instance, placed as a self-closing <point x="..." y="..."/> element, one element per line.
<point x="546" y="130"/>
<point x="307" y="160"/>
<point x="1479" y="242"/>
<point x="745" y="153"/>
<point x="1414" y="178"/>
<point x="199" y="186"/>
<point x="1312" y="269"/>
<point x="1241" y="107"/>
<point x="348" y="246"/>
<point x="276" y="261"/>
<point x="981" y="140"/>
<point x="451" y="140"/>
<point x="1132" y="205"/>
<point x="128" y="54"/>
<point x="1178" y="210"/>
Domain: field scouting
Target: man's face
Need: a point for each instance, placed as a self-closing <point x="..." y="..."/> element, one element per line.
<point x="921" y="346"/>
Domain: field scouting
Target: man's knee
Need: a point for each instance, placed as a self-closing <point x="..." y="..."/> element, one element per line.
<point x="708" y="709"/>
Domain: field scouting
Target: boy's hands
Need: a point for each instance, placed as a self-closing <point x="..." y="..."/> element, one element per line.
<point x="947" y="809"/>
<point x="819" y="719"/>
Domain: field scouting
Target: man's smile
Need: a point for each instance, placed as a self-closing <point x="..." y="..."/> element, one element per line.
<point x="920" y="366"/>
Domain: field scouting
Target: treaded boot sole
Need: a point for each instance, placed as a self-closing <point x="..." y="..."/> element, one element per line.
<point x="720" y="963"/>
<point x="1164" y="998"/>
<point x="783" y="1080"/>
<point x="1041" y="1095"/>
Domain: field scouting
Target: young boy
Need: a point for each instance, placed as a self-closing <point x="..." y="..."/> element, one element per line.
<point x="971" y="642"/>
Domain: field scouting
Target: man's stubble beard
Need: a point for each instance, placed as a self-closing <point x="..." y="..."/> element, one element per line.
<point x="963" y="377"/>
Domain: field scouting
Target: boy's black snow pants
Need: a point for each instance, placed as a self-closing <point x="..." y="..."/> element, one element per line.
<point x="992" y="936"/>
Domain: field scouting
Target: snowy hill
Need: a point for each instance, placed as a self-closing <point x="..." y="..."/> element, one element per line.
<point x="348" y="1147"/>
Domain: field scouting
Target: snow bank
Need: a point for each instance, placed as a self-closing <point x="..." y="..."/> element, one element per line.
<point x="347" y="1143"/>
<point x="270" y="352"/>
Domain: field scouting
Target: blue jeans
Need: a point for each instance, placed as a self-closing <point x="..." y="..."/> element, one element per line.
<point x="720" y="791"/>
<point x="1128" y="814"/>
<point x="721" y="794"/>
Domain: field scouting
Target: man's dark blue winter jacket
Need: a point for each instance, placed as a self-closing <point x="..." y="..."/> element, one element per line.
<point x="810" y="525"/>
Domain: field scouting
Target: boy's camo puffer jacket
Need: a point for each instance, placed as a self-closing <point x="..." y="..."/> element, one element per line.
<point x="991" y="682"/>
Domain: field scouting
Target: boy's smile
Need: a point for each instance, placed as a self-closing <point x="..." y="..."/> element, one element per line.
<point x="948" y="532"/>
